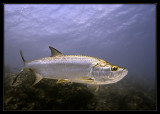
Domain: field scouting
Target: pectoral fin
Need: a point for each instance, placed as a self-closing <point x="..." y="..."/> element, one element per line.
<point x="88" y="80"/>
<point x="91" y="84"/>
<point x="93" y="87"/>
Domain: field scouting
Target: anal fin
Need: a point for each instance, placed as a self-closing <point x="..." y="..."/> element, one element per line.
<point x="37" y="79"/>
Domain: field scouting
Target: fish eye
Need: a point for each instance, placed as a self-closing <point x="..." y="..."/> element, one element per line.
<point x="114" y="68"/>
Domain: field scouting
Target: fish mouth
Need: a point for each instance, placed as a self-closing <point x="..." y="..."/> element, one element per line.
<point x="118" y="78"/>
<point x="125" y="72"/>
<point x="110" y="80"/>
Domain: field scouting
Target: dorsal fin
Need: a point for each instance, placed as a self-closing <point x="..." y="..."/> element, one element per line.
<point x="54" y="52"/>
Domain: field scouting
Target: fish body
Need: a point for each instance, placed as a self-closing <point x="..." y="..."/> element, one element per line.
<point x="69" y="67"/>
<point x="74" y="68"/>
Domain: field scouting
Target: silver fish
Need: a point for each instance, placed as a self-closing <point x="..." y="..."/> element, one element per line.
<point x="74" y="68"/>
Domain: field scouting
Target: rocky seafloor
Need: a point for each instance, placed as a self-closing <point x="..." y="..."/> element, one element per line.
<point x="47" y="95"/>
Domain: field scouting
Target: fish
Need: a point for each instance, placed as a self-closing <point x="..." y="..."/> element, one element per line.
<point x="73" y="68"/>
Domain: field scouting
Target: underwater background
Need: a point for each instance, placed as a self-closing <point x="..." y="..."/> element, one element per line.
<point x="122" y="34"/>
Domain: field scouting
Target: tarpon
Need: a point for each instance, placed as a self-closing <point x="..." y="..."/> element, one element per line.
<point x="74" y="68"/>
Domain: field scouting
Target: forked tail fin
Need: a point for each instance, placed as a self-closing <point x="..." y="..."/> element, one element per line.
<point x="17" y="77"/>
<point x="22" y="57"/>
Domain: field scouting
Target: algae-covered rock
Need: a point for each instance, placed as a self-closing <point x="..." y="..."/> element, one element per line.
<point x="47" y="95"/>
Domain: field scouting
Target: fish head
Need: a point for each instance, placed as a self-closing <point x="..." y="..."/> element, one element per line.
<point x="109" y="74"/>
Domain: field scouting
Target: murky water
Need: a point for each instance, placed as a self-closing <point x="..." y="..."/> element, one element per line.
<point x="122" y="34"/>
